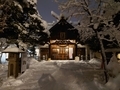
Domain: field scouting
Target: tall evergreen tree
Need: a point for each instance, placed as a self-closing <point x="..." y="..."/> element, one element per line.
<point x="22" y="22"/>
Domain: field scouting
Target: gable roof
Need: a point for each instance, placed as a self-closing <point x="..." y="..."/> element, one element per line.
<point x="13" y="50"/>
<point x="62" y="25"/>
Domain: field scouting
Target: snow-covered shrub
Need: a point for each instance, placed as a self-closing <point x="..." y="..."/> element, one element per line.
<point x="113" y="67"/>
<point x="113" y="83"/>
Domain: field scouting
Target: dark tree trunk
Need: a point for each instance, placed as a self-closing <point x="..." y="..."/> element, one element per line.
<point x="104" y="63"/>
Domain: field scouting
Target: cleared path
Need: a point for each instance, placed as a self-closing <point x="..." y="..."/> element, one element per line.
<point x="58" y="75"/>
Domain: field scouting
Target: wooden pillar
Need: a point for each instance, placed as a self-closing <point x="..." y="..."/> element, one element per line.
<point x="75" y="49"/>
<point x="49" y="51"/>
<point x="91" y="54"/>
<point x="86" y="53"/>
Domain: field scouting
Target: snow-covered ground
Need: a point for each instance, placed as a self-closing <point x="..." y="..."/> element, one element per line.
<point x="59" y="75"/>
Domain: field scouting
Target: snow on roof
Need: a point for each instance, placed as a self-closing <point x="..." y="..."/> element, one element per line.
<point x="12" y="49"/>
<point x="80" y="45"/>
<point x="44" y="46"/>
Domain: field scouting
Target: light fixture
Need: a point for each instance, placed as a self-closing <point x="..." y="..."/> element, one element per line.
<point x="118" y="55"/>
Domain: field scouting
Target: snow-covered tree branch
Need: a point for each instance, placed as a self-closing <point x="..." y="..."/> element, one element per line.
<point x="96" y="18"/>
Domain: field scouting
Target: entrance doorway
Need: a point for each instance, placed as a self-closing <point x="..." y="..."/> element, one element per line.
<point x="62" y="52"/>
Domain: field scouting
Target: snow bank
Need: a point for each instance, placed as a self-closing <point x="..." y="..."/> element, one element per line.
<point x="3" y="66"/>
<point x="80" y="79"/>
<point x="11" y="81"/>
<point x="32" y="61"/>
<point x="17" y="82"/>
<point x="113" y="66"/>
<point x="95" y="61"/>
<point x="114" y="83"/>
<point x="82" y="61"/>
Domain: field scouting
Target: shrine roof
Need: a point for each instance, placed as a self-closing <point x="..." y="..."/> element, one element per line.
<point x="62" y="25"/>
<point x="13" y="49"/>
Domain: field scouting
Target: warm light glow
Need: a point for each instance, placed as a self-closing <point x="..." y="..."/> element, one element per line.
<point x="58" y="50"/>
<point x="118" y="56"/>
<point x="53" y="41"/>
<point x="66" y="50"/>
<point x="70" y="53"/>
<point x="37" y="51"/>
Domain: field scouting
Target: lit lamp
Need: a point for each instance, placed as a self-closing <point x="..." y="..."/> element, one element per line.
<point x="15" y="61"/>
<point x="118" y="56"/>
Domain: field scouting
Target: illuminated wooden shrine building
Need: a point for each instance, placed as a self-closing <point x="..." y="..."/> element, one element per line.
<point x="63" y="43"/>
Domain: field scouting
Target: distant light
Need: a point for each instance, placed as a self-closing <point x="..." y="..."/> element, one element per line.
<point x="58" y="50"/>
<point x="118" y="56"/>
<point x="37" y="51"/>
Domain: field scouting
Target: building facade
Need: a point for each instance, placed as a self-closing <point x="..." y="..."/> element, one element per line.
<point x="63" y="43"/>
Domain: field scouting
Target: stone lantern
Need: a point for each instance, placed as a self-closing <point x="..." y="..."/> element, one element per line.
<point x="14" y="59"/>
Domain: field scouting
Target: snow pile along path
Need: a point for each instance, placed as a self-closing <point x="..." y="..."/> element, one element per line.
<point x="32" y="60"/>
<point x="12" y="82"/>
<point x="95" y="61"/>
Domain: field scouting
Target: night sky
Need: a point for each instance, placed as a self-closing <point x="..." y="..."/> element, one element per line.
<point x="45" y="7"/>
